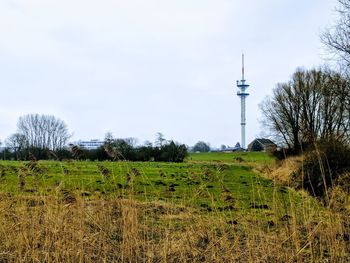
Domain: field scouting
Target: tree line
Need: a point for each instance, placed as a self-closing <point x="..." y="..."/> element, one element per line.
<point x="314" y="105"/>
<point x="46" y="137"/>
<point x="122" y="149"/>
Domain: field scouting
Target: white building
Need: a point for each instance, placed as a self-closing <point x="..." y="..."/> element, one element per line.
<point x="90" y="145"/>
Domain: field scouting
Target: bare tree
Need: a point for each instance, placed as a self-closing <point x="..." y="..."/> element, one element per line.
<point x="337" y="38"/>
<point x="282" y="114"/>
<point x="160" y="140"/>
<point x="16" y="142"/>
<point x="311" y="106"/>
<point x="43" y="131"/>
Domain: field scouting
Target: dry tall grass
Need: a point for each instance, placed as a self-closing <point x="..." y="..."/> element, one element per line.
<point x="69" y="228"/>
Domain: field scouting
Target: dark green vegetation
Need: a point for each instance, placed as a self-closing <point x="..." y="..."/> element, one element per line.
<point x="201" y="147"/>
<point x="120" y="150"/>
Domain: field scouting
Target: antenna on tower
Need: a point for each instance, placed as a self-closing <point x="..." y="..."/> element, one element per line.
<point x="242" y="66"/>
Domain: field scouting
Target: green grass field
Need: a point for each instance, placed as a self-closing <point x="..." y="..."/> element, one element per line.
<point x="247" y="157"/>
<point x="212" y="182"/>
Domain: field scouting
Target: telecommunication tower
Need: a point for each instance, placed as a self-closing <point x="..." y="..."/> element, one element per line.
<point x="242" y="85"/>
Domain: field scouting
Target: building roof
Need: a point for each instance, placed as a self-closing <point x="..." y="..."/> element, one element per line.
<point x="265" y="141"/>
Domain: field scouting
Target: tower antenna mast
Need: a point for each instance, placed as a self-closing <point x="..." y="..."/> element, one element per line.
<point x="242" y="66"/>
<point x="242" y="86"/>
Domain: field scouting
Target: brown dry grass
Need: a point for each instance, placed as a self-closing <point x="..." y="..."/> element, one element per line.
<point x="283" y="170"/>
<point x="57" y="229"/>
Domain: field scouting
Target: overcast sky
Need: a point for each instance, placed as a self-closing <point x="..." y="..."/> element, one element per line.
<point x="138" y="67"/>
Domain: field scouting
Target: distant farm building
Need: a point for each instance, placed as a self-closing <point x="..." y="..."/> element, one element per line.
<point x="262" y="145"/>
<point x="237" y="148"/>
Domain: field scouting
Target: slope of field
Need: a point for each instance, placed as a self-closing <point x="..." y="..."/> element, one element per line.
<point x="214" y="207"/>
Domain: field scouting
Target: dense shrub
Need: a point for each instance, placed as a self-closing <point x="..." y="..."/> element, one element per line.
<point x="324" y="166"/>
<point x="284" y="153"/>
<point x="170" y="152"/>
